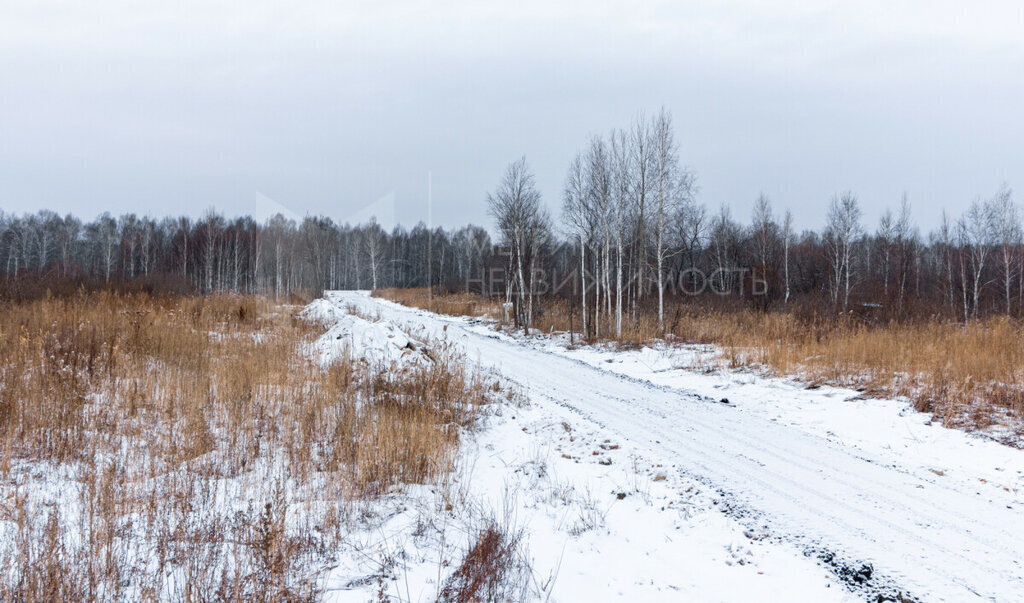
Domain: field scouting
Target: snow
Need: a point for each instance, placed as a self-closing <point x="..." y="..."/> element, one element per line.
<point x="664" y="540"/>
<point x="629" y="479"/>
<point x="375" y="342"/>
<point x="599" y="519"/>
<point x="888" y="430"/>
<point x="859" y="483"/>
<point x="535" y="469"/>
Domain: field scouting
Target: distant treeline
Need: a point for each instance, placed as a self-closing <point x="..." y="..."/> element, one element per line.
<point x="215" y="254"/>
<point x="964" y="269"/>
<point x="631" y="231"/>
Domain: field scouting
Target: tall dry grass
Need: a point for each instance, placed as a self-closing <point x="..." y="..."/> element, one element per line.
<point x="453" y="304"/>
<point x="969" y="376"/>
<point x="189" y="448"/>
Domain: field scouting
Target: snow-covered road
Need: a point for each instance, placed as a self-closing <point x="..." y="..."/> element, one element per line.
<point x="936" y="539"/>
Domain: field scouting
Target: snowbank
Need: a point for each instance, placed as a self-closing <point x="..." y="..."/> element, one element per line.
<point x="373" y="342"/>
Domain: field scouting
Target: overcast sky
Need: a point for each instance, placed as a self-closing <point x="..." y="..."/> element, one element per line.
<point x="330" y="107"/>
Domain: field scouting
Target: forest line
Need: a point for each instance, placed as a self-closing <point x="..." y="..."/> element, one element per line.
<point x="631" y="229"/>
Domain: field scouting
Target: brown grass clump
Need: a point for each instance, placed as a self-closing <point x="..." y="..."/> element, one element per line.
<point x="189" y="448"/>
<point x="491" y="570"/>
<point x="969" y="376"/>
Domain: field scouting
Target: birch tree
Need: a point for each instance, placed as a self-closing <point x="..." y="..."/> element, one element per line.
<point x="765" y="230"/>
<point x="884" y="237"/>
<point x="619" y="211"/>
<point x="787" y="230"/>
<point x="672" y="187"/>
<point x="373" y="246"/>
<point x="108" y="242"/>
<point x="576" y="214"/>
<point x="515" y="206"/>
<point x="71" y="228"/>
<point x="976" y="232"/>
<point x="1006" y="223"/>
<point x="599" y="194"/>
<point x="642" y="158"/>
<point x="906" y="240"/>
<point x="725" y="239"/>
<point x="841" y="233"/>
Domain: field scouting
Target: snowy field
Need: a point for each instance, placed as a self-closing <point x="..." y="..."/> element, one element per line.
<point x="649" y="475"/>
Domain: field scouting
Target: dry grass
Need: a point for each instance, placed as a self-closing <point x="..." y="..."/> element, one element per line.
<point x="968" y="376"/>
<point x="491" y="570"/>
<point x="453" y="304"/>
<point x="187" y="448"/>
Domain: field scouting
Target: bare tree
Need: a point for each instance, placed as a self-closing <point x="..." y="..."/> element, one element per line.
<point x="976" y="232"/>
<point x="642" y="160"/>
<point x="129" y="227"/>
<point x="884" y="237"/>
<point x="1006" y="224"/>
<point x="279" y="229"/>
<point x="256" y="256"/>
<point x="236" y="255"/>
<point x="841" y="232"/>
<point x="108" y="242"/>
<point x="945" y="237"/>
<point x="765" y="230"/>
<point x="28" y="231"/>
<point x="71" y="228"/>
<point x="575" y="213"/>
<point x="373" y="246"/>
<point x="906" y="239"/>
<point x="539" y="237"/>
<point x="184" y="226"/>
<point x="691" y="231"/>
<point x="619" y="211"/>
<point x="787" y="235"/>
<point x="599" y="194"/>
<point x="146" y="244"/>
<point x="211" y="228"/>
<point x="49" y="225"/>
<point x="673" y="187"/>
<point x="725" y="239"/>
<point x="515" y="205"/>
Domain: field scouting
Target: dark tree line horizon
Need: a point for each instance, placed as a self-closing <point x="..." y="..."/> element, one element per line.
<point x="631" y="227"/>
<point x="893" y="266"/>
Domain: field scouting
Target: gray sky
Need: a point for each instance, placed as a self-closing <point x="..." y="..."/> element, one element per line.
<point x="327" y="107"/>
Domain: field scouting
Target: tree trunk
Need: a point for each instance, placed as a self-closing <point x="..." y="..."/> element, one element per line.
<point x="583" y="281"/>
